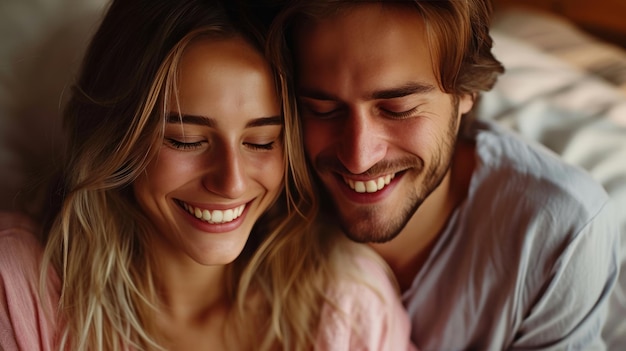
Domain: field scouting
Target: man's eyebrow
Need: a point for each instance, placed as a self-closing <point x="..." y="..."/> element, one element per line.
<point x="404" y="90"/>
<point x="210" y="122"/>
<point x="316" y="95"/>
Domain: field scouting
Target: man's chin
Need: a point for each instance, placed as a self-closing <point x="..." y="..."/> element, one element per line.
<point x="377" y="225"/>
<point x="369" y="233"/>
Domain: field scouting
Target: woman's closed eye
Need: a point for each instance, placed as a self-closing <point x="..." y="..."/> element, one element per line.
<point x="184" y="145"/>
<point x="263" y="138"/>
<point x="261" y="146"/>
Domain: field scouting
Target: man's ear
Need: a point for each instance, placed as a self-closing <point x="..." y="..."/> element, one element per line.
<point x="466" y="102"/>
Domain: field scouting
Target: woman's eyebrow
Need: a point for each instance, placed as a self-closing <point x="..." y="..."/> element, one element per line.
<point x="212" y="123"/>
<point x="191" y="119"/>
<point x="265" y="121"/>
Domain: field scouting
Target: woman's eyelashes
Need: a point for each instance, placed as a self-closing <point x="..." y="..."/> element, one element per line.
<point x="184" y="145"/>
<point x="177" y="144"/>
<point x="265" y="146"/>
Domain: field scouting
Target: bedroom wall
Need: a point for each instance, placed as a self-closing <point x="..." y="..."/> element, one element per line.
<point x="603" y="18"/>
<point x="41" y="42"/>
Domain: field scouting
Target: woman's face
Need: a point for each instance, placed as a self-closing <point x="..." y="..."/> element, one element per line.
<point x="220" y="166"/>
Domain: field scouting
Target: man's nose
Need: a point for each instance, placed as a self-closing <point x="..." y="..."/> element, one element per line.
<point x="361" y="143"/>
<point x="227" y="174"/>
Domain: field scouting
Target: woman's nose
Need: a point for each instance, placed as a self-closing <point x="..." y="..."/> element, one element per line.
<point x="227" y="174"/>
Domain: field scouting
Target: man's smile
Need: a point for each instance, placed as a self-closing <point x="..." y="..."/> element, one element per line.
<point x="369" y="186"/>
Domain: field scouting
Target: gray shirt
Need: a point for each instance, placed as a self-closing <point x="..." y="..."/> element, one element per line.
<point x="526" y="262"/>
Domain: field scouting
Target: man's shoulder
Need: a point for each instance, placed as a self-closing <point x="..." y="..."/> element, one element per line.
<point x="514" y="173"/>
<point x="529" y="204"/>
<point x="531" y="231"/>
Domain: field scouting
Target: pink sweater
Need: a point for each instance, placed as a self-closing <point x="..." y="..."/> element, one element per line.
<point x="25" y="324"/>
<point x="377" y="318"/>
<point x="377" y="321"/>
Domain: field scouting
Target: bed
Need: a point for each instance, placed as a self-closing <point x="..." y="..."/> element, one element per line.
<point x="564" y="88"/>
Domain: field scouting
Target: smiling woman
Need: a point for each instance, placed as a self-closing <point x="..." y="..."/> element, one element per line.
<point x="186" y="212"/>
<point x="219" y="167"/>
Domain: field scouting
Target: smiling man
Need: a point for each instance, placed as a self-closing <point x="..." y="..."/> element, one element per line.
<point x="496" y="243"/>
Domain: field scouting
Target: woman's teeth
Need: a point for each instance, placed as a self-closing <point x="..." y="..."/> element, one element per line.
<point x="215" y="216"/>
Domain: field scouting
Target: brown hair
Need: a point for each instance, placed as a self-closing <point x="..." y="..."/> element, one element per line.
<point x="458" y="31"/>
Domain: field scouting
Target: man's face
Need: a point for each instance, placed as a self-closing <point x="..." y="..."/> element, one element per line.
<point x="378" y="130"/>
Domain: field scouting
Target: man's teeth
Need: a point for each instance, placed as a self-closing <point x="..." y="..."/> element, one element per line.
<point x="215" y="216"/>
<point x="369" y="186"/>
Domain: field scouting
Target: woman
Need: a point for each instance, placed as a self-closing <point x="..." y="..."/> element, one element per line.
<point x="186" y="214"/>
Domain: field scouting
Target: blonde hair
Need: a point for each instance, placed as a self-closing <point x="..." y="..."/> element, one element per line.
<point x="98" y="237"/>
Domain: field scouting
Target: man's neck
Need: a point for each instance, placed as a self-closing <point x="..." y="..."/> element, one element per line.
<point x="407" y="253"/>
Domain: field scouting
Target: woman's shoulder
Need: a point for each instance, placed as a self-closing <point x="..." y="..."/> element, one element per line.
<point x="361" y="266"/>
<point x="364" y="310"/>
<point x="19" y="247"/>
<point x="26" y="319"/>
<point x="12" y="220"/>
<point x="21" y="256"/>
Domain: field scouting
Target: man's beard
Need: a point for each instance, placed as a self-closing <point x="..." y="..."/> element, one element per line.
<point x="364" y="230"/>
<point x="361" y="228"/>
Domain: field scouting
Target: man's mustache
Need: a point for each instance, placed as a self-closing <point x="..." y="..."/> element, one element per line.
<point x="333" y="164"/>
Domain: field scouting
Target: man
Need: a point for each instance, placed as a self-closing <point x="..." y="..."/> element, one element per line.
<point x="496" y="244"/>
